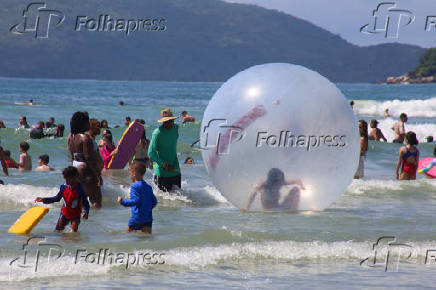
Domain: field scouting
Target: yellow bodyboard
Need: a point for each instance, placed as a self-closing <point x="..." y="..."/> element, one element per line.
<point x="28" y="220"/>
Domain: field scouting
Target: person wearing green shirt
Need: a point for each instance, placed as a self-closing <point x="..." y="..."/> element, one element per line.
<point x="163" y="152"/>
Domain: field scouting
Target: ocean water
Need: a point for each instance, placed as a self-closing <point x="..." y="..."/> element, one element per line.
<point x="199" y="239"/>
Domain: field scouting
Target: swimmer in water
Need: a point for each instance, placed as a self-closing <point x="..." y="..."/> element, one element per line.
<point x="104" y="124"/>
<point x="430" y="166"/>
<point x="189" y="161"/>
<point x="108" y="150"/>
<point x="29" y="103"/>
<point x="387" y="113"/>
<point x="25" y="159"/>
<point x="23" y="123"/>
<point x="270" y="192"/>
<point x="50" y="123"/>
<point x="10" y="162"/>
<point x="408" y="157"/>
<point x="376" y="134"/>
<point x="187" y="118"/>
<point x="105" y="132"/>
<point x="43" y="163"/>
<point x="141" y="152"/>
<point x="127" y="121"/>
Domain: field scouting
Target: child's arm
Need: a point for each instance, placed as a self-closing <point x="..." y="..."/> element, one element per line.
<point x="252" y="196"/>
<point x="134" y="198"/>
<point x="48" y="200"/>
<point x="295" y="181"/>
<point x="85" y="201"/>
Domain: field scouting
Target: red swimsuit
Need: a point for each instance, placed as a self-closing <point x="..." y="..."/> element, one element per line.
<point x="409" y="168"/>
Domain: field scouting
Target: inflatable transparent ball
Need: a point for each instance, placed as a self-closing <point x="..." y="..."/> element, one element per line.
<point x="280" y="137"/>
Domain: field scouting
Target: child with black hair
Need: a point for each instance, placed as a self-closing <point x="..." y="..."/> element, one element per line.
<point x="74" y="198"/>
<point x="43" y="163"/>
<point x="25" y="163"/>
<point x="408" y="158"/>
<point x="108" y="150"/>
<point x="10" y="162"/>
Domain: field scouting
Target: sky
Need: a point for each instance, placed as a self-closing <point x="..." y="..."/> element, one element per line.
<point x="346" y="17"/>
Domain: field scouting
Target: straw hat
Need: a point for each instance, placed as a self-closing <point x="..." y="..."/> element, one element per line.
<point x="166" y="115"/>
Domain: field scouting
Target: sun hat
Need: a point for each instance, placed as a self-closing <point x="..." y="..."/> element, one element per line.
<point x="166" y="115"/>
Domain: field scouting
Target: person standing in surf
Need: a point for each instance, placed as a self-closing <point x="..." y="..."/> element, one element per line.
<point x="399" y="130"/>
<point x="163" y="152"/>
<point x="94" y="131"/>
<point x="408" y="158"/>
<point x="82" y="151"/>
<point x="363" y="131"/>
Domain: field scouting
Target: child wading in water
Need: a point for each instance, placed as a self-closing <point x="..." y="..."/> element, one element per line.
<point x="142" y="200"/>
<point x="270" y="192"/>
<point x="408" y="157"/>
<point x="74" y="198"/>
<point x="25" y="159"/>
<point x="108" y="150"/>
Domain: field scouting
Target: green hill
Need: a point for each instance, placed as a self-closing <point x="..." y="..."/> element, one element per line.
<point x="427" y="64"/>
<point x="204" y="40"/>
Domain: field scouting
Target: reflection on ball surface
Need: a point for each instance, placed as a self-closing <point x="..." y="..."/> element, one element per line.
<point x="280" y="137"/>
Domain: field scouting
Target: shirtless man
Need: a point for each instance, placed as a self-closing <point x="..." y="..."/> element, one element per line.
<point x="399" y="130"/>
<point x="25" y="163"/>
<point x="43" y="163"/>
<point x="82" y="151"/>
<point x="187" y="118"/>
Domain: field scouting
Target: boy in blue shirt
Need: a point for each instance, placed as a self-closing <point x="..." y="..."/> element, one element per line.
<point x="142" y="200"/>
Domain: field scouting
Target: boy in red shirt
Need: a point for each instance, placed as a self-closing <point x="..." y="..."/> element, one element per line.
<point x="74" y="198"/>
